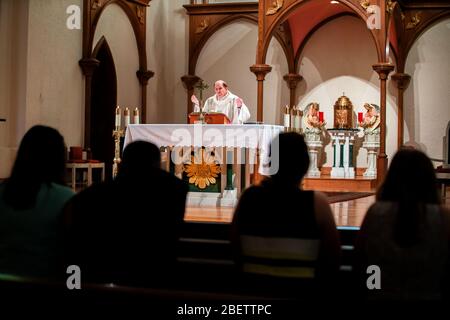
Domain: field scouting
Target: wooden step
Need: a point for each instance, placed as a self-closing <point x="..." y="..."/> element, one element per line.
<point x="327" y="183"/>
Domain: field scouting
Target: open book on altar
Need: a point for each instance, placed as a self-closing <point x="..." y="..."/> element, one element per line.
<point x="209" y="118"/>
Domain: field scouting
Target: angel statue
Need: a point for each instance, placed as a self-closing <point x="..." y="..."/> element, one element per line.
<point x="312" y="121"/>
<point x="371" y="120"/>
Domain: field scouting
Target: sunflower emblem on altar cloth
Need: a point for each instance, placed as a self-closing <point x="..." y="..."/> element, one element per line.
<point x="202" y="171"/>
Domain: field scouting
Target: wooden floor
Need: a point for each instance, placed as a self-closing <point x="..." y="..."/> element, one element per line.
<point x="348" y="213"/>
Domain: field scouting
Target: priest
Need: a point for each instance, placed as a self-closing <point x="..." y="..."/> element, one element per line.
<point x="224" y="102"/>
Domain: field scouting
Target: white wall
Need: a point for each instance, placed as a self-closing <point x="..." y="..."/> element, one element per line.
<point x="338" y="59"/>
<point x="115" y="26"/>
<point x="41" y="82"/>
<point x="276" y="90"/>
<point x="13" y="59"/>
<point x="427" y="99"/>
<point x="54" y="81"/>
<point x="167" y="56"/>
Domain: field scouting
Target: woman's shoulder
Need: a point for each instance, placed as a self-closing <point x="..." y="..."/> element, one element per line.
<point x="382" y="207"/>
<point x="60" y="190"/>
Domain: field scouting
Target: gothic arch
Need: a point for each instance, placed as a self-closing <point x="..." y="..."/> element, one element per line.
<point x="210" y="31"/>
<point x="423" y="28"/>
<point x="312" y="32"/>
<point x="290" y="8"/>
<point x="135" y="11"/>
<point x="206" y="19"/>
<point x="135" y="21"/>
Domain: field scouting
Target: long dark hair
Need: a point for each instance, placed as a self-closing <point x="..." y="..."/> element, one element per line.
<point x="410" y="182"/>
<point x="40" y="159"/>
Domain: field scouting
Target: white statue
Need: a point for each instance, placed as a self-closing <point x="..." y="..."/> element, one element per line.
<point x="311" y="121"/>
<point x="371" y="120"/>
<point x="371" y="125"/>
<point x="313" y="136"/>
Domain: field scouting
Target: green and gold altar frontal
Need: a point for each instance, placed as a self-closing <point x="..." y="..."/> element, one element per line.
<point x="211" y="158"/>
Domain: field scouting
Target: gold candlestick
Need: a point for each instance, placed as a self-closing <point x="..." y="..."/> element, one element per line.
<point x="117" y="134"/>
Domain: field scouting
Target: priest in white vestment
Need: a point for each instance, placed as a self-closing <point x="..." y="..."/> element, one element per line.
<point x="224" y="102"/>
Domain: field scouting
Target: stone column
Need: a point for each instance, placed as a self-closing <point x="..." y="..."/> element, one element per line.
<point x="313" y="139"/>
<point x="371" y="144"/>
<point x="343" y="144"/>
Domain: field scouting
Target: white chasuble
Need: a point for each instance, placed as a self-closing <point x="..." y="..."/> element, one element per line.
<point x="228" y="106"/>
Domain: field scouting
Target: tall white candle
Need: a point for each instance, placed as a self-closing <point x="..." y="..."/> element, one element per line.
<point x="126" y="115"/>
<point x="136" y="116"/>
<point x="287" y="120"/>
<point x="118" y="120"/>
<point x="296" y="122"/>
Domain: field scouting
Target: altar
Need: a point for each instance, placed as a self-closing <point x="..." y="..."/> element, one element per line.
<point x="217" y="161"/>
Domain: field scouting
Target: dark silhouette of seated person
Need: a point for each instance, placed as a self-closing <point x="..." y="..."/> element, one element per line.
<point x="126" y="231"/>
<point x="286" y="238"/>
<point x="406" y="233"/>
<point x="31" y="203"/>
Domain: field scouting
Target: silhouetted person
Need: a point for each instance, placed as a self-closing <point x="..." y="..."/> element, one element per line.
<point x="406" y="233"/>
<point x="31" y="203"/>
<point x="287" y="238"/>
<point x="126" y="231"/>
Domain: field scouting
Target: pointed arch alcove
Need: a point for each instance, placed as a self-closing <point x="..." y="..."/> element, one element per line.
<point x="135" y="11"/>
<point x="102" y="105"/>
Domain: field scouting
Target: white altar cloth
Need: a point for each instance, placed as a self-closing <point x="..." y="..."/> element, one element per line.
<point x="253" y="136"/>
<point x="209" y="135"/>
<point x="256" y="138"/>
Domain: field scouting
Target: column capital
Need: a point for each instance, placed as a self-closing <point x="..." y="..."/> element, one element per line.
<point x="383" y="69"/>
<point x="401" y="80"/>
<point x="144" y="76"/>
<point x="292" y="79"/>
<point x="88" y="65"/>
<point x="189" y="81"/>
<point x="260" y="70"/>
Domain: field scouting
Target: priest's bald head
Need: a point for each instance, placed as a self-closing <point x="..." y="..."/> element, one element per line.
<point x="221" y="88"/>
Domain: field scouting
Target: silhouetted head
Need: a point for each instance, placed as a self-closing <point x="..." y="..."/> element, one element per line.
<point x="410" y="178"/>
<point x="41" y="156"/>
<point x="40" y="159"/>
<point x="139" y="157"/>
<point x="292" y="157"/>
